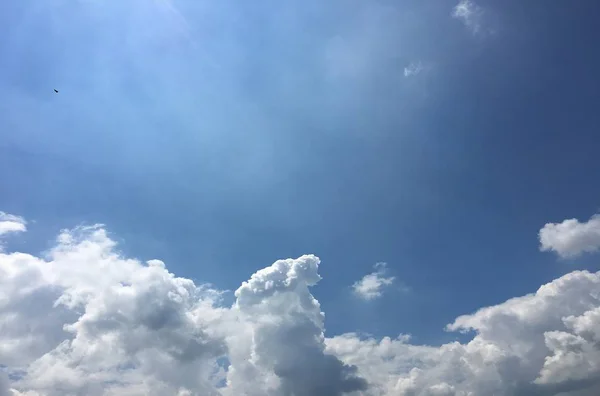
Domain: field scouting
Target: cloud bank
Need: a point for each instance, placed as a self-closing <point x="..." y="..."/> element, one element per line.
<point x="84" y="320"/>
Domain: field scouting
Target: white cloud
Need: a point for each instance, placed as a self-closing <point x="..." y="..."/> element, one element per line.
<point x="284" y="342"/>
<point x="470" y="14"/>
<point x="413" y="69"/>
<point x="571" y="238"/>
<point x="11" y="223"/>
<point x="538" y="344"/>
<point x="84" y="320"/>
<point x="371" y="286"/>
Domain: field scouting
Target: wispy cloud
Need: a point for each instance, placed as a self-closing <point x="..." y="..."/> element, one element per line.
<point x="371" y="286"/>
<point x="175" y="21"/>
<point x="11" y="223"/>
<point x="413" y="69"/>
<point x="470" y="14"/>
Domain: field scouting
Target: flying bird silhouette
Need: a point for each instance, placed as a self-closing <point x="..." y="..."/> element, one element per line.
<point x="55" y="91"/>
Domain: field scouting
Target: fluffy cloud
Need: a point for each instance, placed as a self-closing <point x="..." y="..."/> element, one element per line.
<point x="83" y="320"/>
<point x="470" y="14"/>
<point x="571" y="238"/>
<point x="10" y="223"/>
<point x="540" y="344"/>
<point x="86" y="321"/>
<point x="285" y="342"/>
<point x="371" y="286"/>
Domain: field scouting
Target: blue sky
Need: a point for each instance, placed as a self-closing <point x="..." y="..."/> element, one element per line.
<point x="222" y="136"/>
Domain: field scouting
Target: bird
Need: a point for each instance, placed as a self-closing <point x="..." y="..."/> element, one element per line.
<point x="56" y="91"/>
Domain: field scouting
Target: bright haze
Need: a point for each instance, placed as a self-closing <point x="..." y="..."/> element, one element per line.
<point x="299" y="198"/>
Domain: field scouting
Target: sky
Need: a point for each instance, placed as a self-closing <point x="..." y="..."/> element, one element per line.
<point x="299" y="198"/>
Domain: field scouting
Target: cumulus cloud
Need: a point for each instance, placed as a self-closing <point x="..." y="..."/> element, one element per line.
<point x="470" y="14"/>
<point x="539" y="344"/>
<point x="371" y="286"/>
<point x="11" y="223"/>
<point x="571" y="238"/>
<point x="84" y="320"/>
<point x="286" y="342"/>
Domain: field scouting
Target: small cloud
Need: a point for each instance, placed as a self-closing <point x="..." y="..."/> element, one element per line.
<point x="11" y="223"/>
<point x="470" y="14"/>
<point x="371" y="286"/>
<point x="571" y="238"/>
<point x="413" y="69"/>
